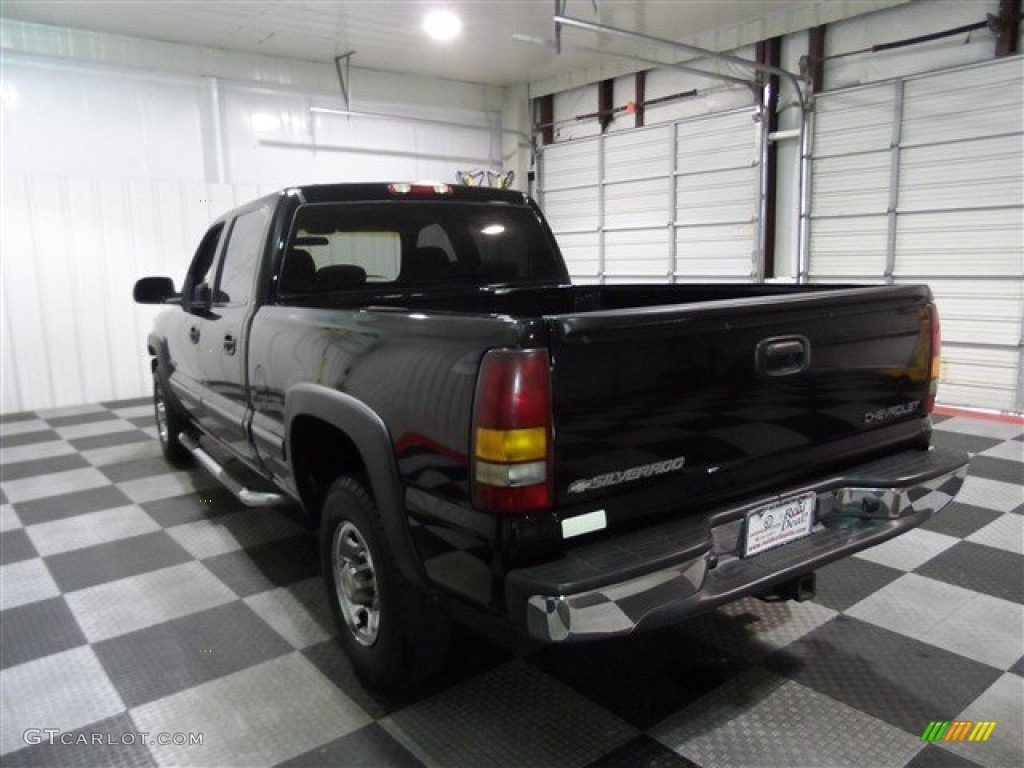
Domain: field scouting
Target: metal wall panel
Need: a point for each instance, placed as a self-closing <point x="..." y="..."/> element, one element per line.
<point x="662" y="203"/>
<point x="933" y="166"/>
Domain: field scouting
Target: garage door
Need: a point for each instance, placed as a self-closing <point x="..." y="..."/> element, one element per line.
<point x="671" y="202"/>
<point x="920" y="180"/>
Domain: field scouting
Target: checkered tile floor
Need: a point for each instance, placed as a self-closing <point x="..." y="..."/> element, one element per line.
<point x="141" y="600"/>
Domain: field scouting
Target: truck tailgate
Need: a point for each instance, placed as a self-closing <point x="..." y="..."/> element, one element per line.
<point x="673" y="407"/>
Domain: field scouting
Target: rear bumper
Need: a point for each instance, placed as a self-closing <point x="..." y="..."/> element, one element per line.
<point x="679" y="569"/>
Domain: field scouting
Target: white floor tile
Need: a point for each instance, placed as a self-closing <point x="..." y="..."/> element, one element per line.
<point x="88" y="530"/>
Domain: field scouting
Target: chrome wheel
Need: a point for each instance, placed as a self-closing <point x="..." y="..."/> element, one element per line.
<point x="355" y="583"/>
<point x="161" y="416"/>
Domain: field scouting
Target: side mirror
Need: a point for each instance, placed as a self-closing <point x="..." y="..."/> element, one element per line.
<point x="154" y="290"/>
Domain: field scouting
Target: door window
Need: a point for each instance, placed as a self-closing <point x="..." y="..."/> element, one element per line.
<point x="242" y="258"/>
<point x="199" y="281"/>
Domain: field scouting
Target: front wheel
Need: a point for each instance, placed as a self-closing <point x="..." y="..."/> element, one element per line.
<point x="169" y="424"/>
<point x="391" y="632"/>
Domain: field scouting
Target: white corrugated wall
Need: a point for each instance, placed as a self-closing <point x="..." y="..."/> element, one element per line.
<point x="112" y="172"/>
<point x="921" y="179"/>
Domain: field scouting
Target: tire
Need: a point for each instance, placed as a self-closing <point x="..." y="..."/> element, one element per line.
<point x="169" y="424"/>
<point x="392" y="633"/>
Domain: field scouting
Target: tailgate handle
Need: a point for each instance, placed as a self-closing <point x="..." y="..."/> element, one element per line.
<point x="783" y="356"/>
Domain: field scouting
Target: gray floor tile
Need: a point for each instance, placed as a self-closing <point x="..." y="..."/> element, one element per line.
<point x="253" y="717"/>
<point x="9" y="520"/>
<point x="993" y="494"/>
<point x="64" y="690"/>
<point x="759" y="719"/>
<point x="288" y="617"/>
<point x="369" y="747"/>
<point x="642" y="751"/>
<point x="110" y="439"/>
<point x="162" y="660"/>
<point x="896" y="679"/>
<point x="81" y="418"/>
<point x="542" y="723"/>
<point x="37" y="629"/>
<point x="10" y="418"/>
<point x="83" y="568"/>
<point x="143" y="422"/>
<point x="1011" y="450"/>
<point x="960" y="442"/>
<point x="135" y="411"/>
<point x="68" y="505"/>
<point x="54" y="484"/>
<point x="909" y="551"/>
<point x="70" y="410"/>
<point x="993" y="571"/>
<point x="130" y="402"/>
<point x="115" y="454"/>
<point x="135" y="469"/>
<point x="1018" y="667"/>
<point x="975" y="625"/>
<point x="90" y="529"/>
<point x="33" y="452"/>
<point x="1004" y="703"/>
<point x="164" y="486"/>
<point x="982" y="427"/>
<point x="16" y="546"/>
<point x="78" y="431"/>
<point x="109" y="610"/>
<point x="933" y="756"/>
<point x="25" y="582"/>
<point x="36" y="467"/>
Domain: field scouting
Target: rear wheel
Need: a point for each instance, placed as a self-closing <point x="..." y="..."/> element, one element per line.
<point x="392" y="633"/>
<point x="169" y="424"/>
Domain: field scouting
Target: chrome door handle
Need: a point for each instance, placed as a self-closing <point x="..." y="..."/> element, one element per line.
<point x="193" y="334"/>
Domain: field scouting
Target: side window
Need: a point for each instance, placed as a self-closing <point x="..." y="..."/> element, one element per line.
<point x="242" y="258"/>
<point x="199" y="280"/>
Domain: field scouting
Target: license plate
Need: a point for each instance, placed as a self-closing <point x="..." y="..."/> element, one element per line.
<point x="770" y="527"/>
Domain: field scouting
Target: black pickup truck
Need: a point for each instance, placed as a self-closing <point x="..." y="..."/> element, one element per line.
<point x="471" y="432"/>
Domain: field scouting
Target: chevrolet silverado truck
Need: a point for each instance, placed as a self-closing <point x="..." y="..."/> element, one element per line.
<point x="470" y="432"/>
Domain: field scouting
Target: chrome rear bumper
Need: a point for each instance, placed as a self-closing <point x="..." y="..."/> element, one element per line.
<point x="863" y="507"/>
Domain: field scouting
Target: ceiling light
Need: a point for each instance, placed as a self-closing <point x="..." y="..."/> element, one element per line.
<point x="442" y="25"/>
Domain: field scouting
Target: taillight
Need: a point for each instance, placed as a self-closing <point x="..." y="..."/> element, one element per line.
<point x="512" y="432"/>
<point x="936" y="353"/>
<point x="420" y="190"/>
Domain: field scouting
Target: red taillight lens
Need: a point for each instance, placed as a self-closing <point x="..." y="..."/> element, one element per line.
<point x="420" y="190"/>
<point x="512" y="432"/>
<point x="936" y="355"/>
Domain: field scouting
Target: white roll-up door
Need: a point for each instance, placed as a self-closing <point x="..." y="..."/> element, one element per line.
<point x="922" y="180"/>
<point x="665" y="203"/>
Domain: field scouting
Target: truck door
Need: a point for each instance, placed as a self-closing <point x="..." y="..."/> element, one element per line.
<point x="185" y="341"/>
<point x="224" y="331"/>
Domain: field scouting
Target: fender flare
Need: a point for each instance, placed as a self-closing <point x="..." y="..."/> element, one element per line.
<point x="163" y="368"/>
<point x="372" y="439"/>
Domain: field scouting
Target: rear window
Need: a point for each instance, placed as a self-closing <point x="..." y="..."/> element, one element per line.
<point x="341" y="246"/>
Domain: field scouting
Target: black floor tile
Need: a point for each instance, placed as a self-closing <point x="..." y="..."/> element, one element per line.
<point x="135" y="469"/>
<point x="973" y="566"/>
<point x="157" y="661"/>
<point x="936" y="757"/>
<point x="82" y="418"/>
<point x="848" y="581"/>
<point x="998" y="469"/>
<point x="124" y="437"/>
<point x="129" y="403"/>
<point x="3" y="496"/>
<point x="884" y="674"/>
<point x="29" y="438"/>
<point x="642" y="678"/>
<point x="369" y="747"/>
<point x="10" y="418"/>
<point x="960" y="520"/>
<point x="70" y="505"/>
<point x="15" y="546"/>
<point x="39" y="629"/>
<point x="1018" y="667"/>
<point x="143" y="421"/>
<point x="48" y="466"/>
<point x="82" y="568"/>
<point x="642" y="752"/>
<point x="82" y="749"/>
<point x="192" y="507"/>
<point x="960" y="442"/>
<point x="469" y="655"/>
<point x="274" y="564"/>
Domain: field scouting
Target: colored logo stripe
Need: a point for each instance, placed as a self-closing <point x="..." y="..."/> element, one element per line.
<point x="958" y="730"/>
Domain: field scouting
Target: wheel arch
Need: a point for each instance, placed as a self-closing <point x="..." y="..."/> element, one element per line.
<point x="329" y="434"/>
